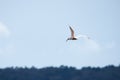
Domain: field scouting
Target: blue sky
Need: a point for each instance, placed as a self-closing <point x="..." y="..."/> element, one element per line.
<point x="34" y="33"/>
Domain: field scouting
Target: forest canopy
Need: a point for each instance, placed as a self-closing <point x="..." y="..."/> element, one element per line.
<point x="60" y="73"/>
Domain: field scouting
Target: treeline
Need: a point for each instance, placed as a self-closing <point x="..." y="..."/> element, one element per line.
<point x="61" y="73"/>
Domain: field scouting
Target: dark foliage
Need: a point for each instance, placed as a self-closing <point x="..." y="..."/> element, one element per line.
<point x="61" y="73"/>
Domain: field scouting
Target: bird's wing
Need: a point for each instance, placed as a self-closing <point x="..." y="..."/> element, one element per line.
<point x="72" y="32"/>
<point x="82" y="36"/>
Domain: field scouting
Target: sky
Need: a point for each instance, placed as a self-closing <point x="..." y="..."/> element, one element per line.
<point x="34" y="33"/>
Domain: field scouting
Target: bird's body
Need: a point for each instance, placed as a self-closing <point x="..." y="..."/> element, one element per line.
<point x="73" y="37"/>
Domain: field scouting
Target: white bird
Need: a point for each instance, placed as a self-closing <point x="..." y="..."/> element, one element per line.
<point x="73" y="37"/>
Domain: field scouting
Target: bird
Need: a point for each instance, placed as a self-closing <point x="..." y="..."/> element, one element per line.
<point x="73" y="37"/>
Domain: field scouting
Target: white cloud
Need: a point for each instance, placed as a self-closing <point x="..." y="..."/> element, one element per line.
<point x="90" y="46"/>
<point x="5" y="48"/>
<point x="85" y="46"/>
<point x="96" y="47"/>
<point x="4" y="31"/>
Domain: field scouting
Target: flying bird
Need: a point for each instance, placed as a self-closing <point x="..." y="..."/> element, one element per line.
<point x="73" y="37"/>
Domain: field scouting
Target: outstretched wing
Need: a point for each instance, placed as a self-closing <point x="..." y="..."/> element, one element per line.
<point x="83" y="36"/>
<point x="72" y="32"/>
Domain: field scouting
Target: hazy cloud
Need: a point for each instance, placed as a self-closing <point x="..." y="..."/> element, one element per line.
<point x="94" y="46"/>
<point x="85" y="46"/>
<point x="4" y="31"/>
<point x="5" y="48"/>
<point x="90" y="46"/>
